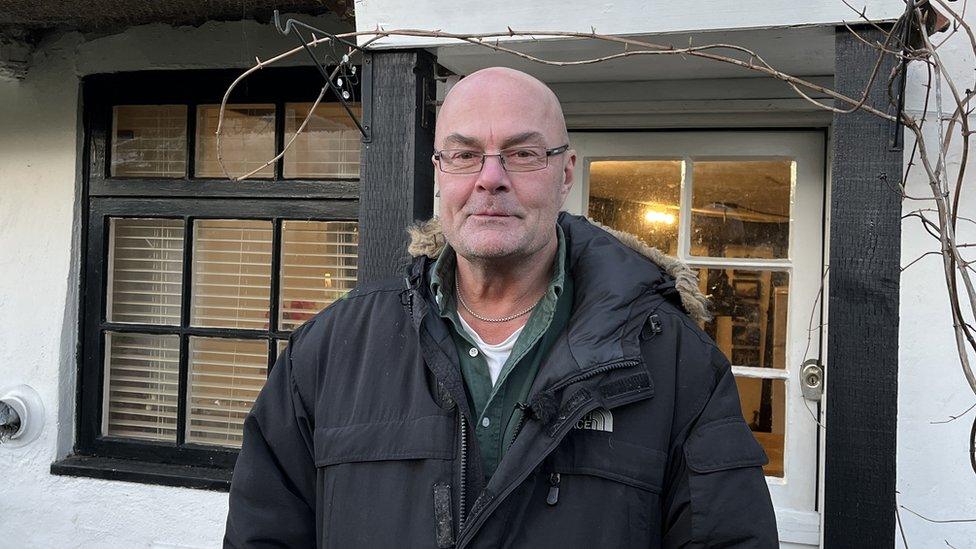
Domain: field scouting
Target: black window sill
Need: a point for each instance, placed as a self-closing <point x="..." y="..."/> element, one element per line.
<point x="204" y="478"/>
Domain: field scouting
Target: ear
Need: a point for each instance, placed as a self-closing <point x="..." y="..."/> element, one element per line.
<point x="569" y="171"/>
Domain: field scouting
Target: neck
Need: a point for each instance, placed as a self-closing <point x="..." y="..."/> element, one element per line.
<point x="497" y="289"/>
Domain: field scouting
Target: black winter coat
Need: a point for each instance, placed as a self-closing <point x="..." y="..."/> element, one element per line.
<point x="362" y="437"/>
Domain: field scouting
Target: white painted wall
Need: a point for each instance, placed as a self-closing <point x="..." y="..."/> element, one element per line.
<point x="39" y="254"/>
<point x="934" y="475"/>
<point x="607" y="17"/>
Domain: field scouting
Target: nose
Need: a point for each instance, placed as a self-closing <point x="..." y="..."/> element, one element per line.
<point x="493" y="178"/>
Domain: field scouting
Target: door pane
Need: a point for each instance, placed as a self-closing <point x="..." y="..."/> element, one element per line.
<point x="318" y="266"/>
<point x="231" y="273"/>
<point x="749" y="309"/>
<point x="148" y="141"/>
<point x="142" y="373"/>
<point x="226" y="376"/>
<point x="247" y="140"/>
<point x="145" y="271"/>
<point x="741" y="208"/>
<point x="329" y="145"/>
<point x="764" y="409"/>
<point x="640" y="197"/>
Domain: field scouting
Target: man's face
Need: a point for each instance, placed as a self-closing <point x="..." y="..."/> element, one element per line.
<point x="496" y="214"/>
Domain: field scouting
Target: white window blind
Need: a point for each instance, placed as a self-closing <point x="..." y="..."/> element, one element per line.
<point x="330" y="144"/>
<point x="231" y="273"/>
<point x="247" y="140"/>
<point x="149" y="141"/>
<point x="142" y="380"/>
<point x="146" y="270"/>
<point x="318" y="266"/>
<point x="226" y="376"/>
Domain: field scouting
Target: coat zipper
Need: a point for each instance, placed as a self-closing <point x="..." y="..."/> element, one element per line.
<point x="464" y="470"/>
<point x="464" y="537"/>
<point x="524" y="408"/>
<point x="553" y="497"/>
<point x="594" y="372"/>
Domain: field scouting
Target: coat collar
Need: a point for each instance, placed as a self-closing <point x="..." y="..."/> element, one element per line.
<point x="615" y="276"/>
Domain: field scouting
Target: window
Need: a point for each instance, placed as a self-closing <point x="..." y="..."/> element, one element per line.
<point x="193" y="282"/>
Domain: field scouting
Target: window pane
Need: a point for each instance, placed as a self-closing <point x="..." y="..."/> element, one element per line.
<point x="640" y="197"/>
<point x="329" y="144"/>
<point x="231" y="273"/>
<point x="142" y="373"/>
<point x="764" y="409"/>
<point x="149" y="141"/>
<point x="247" y="140"/>
<point x="750" y="312"/>
<point x="226" y="376"/>
<point x="145" y="271"/>
<point x="741" y="208"/>
<point x="318" y="266"/>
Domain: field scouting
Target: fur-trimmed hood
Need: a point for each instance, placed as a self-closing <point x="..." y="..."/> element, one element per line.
<point x="427" y="239"/>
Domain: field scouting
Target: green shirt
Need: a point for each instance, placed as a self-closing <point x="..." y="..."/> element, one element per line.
<point x="495" y="405"/>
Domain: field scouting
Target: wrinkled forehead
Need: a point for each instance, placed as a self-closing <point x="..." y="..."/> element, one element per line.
<point x="501" y="111"/>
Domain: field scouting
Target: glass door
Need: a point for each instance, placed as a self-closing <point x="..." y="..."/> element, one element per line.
<point x="746" y="210"/>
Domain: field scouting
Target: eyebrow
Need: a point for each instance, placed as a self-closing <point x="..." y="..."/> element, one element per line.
<point x="517" y="139"/>
<point x="461" y="140"/>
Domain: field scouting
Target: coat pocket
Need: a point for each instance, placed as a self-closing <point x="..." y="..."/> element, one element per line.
<point x="729" y="498"/>
<point x="601" y="455"/>
<point x="427" y="437"/>
<point x="381" y="483"/>
<point x="721" y="445"/>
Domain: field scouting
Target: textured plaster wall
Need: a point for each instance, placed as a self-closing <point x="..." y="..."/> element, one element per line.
<point x="934" y="474"/>
<point x="39" y="254"/>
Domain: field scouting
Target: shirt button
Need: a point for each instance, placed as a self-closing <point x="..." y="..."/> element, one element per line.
<point x="485" y="422"/>
<point x="472" y="352"/>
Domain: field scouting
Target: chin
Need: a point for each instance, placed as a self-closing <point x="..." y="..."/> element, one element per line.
<point x="489" y="248"/>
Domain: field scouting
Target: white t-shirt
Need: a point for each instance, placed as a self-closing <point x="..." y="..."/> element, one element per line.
<point x="495" y="355"/>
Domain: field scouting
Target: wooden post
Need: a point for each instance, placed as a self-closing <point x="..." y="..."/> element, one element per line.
<point x="397" y="176"/>
<point x="865" y="254"/>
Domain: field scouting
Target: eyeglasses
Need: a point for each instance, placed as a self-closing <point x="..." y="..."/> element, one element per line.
<point x="519" y="159"/>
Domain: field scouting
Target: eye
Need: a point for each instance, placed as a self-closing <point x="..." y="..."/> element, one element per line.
<point x="523" y="153"/>
<point x="463" y="155"/>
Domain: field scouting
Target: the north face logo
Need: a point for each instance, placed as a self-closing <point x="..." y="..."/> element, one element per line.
<point x="597" y="420"/>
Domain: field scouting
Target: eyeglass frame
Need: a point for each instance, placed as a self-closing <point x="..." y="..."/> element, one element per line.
<point x="549" y="152"/>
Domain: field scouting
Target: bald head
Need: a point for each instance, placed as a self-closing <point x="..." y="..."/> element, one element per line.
<point x="506" y="93"/>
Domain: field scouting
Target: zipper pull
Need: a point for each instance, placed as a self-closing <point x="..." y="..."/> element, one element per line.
<point x="553" y="497"/>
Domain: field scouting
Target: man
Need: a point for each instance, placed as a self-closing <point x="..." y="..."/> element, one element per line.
<point x="533" y="381"/>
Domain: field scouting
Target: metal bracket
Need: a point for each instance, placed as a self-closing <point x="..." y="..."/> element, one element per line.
<point x="344" y="71"/>
<point x="811" y="380"/>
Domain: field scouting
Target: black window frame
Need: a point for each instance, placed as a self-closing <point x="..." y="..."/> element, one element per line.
<point x="187" y="198"/>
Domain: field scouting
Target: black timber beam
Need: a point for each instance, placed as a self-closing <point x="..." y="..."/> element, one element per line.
<point x="862" y="343"/>
<point x="397" y="176"/>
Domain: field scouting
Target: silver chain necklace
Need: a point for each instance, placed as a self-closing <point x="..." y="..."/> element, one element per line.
<point x="457" y="290"/>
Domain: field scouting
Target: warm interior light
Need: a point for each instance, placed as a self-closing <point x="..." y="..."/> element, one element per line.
<point x="652" y="216"/>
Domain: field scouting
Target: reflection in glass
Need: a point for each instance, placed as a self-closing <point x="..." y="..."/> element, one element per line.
<point x="226" y="376"/>
<point x="145" y="271"/>
<point x="749" y="314"/>
<point x="142" y="373"/>
<point x="640" y="197"/>
<point x="148" y="141"/>
<point x="247" y="140"/>
<point x="329" y="145"/>
<point x="318" y="266"/>
<point x="741" y="208"/>
<point x="231" y="273"/>
<point x="764" y="409"/>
